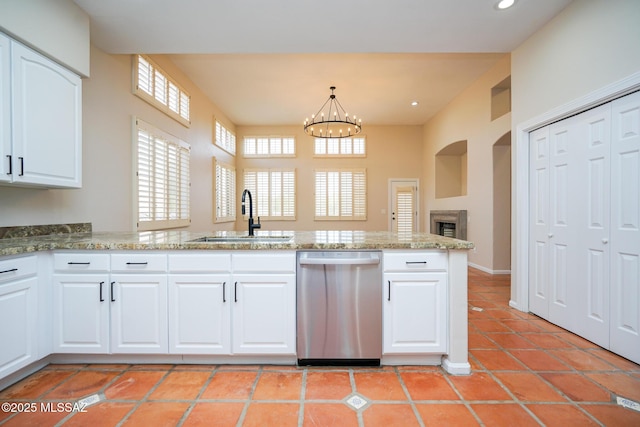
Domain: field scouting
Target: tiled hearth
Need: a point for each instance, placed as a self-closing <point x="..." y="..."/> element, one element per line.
<point x="525" y="372"/>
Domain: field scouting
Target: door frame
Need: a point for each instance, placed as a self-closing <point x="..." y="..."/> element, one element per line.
<point x="390" y="201"/>
<point x="520" y="190"/>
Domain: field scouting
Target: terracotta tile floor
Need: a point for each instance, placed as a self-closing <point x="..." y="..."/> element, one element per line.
<point x="525" y="372"/>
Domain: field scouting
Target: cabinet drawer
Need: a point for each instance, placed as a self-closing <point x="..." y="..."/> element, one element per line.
<point x="139" y="262"/>
<point x="81" y="262"/>
<point x="15" y="268"/>
<point x="199" y="262"/>
<point x="258" y="262"/>
<point x="415" y="261"/>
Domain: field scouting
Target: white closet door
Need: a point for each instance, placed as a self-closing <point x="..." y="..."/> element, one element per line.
<point x="590" y="286"/>
<point x="563" y="192"/>
<point x="625" y="227"/>
<point x="539" y="222"/>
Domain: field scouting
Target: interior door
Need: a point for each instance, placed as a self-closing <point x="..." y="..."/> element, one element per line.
<point x="403" y="205"/>
<point x="625" y="227"/>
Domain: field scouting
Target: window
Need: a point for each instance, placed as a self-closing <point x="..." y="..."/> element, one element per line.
<point x="273" y="192"/>
<point x="225" y="192"/>
<point x="341" y="194"/>
<point x="339" y="147"/>
<point x="153" y="85"/>
<point x="225" y="139"/>
<point x="269" y="146"/>
<point x="163" y="179"/>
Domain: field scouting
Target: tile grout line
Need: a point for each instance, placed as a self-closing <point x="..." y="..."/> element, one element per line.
<point x="247" y="402"/>
<point x="197" y="398"/>
<point x="303" y="393"/>
<point x="145" y="397"/>
<point x="409" y="398"/>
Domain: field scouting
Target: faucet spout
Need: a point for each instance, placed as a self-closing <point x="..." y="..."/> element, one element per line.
<point x="252" y="226"/>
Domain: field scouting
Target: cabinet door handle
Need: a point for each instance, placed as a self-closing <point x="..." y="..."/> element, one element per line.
<point x="10" y="165"/>
<point x="112" y="297"/>
<point x="389" y="288"/>
<point x="137" y="263"/>
<point x="235" y="292"/>
<point x="78" y="263"/>
<point x="101" y="297"/>
<point x="224" y="293"/>
<point x="9" y="271"/>
<point x="21" y="166"/>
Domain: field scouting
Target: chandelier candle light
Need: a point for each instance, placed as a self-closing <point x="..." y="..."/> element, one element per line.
<point x="336" y="123"/>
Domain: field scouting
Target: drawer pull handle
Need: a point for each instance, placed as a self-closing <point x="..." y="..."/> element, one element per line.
<point x="101" y="297"/>
<point x="9" y="271"/>
<point x="112" y="297"/>
<point x="137" y="263"/>
<point x="415" y="262"/>
<point x="78" y="263"/>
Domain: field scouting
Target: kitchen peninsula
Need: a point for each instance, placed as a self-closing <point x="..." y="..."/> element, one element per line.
<point x="145" y="297"/>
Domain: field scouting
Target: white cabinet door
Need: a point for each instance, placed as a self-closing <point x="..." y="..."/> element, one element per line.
<point x="199" y="314"/>
<point x="264" y="314"/>
<point x="81" y="313"/>
<point x="5" y="109"/>
<point x="18" y="314"/>
<point x="139" y="313"/>
<point x="625" y="227"/>
<point x="415" y="313"/>
<point x="46" y="121"/>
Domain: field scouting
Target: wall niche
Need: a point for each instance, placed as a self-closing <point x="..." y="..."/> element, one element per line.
<point x="501" y="99"/>
<point x="451" y="170"/>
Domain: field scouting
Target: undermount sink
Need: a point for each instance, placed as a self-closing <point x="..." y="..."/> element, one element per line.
<point x="242" y="239"/>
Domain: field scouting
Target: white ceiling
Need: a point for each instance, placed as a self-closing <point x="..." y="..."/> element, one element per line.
<point x="271" y="62"/>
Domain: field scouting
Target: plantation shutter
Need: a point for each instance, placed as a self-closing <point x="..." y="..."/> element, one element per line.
<point x="341" y="194"/>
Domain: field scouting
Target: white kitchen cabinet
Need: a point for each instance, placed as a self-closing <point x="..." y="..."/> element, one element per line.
<point x="18" y="313"/>
<point x="138" y="297"/>
<point x="139" y="313"/>
<point x="45" y="108"/>
<point x="264" y="303"/>
<point x="200" y="303"/>
<point x="5" y="108"/>
<point x="81" y="303"/>
<point x="415" y="303"/>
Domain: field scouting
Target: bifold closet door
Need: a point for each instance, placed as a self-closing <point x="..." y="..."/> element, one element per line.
<point x="589" y="289"/>
<point x="553" y="224"/>
<point x="625" y="227"/>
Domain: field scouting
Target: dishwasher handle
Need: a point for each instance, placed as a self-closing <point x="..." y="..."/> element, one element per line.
<point x="339" y="261"/>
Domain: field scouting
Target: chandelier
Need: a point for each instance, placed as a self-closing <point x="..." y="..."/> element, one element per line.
<point x="331" y="121"/>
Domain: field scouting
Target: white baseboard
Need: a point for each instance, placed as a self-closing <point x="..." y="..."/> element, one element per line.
<point x="488" y="270"/>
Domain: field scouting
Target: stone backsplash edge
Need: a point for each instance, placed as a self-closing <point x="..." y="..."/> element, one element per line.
<point x="43" y="230"/>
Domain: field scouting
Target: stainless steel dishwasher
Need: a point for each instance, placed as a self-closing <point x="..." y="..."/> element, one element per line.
<point x="339" y="307"/>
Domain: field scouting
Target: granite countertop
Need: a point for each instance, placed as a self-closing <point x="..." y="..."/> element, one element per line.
<point x="182" y="240"/>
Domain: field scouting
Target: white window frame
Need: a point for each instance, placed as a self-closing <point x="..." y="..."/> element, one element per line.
<point x="278" y="204"/>
<point x="152" y="84"/>
<point x="162" y="177"/>
<point x="225" y="185"/>
<point x="269" y="146"/>
<point x="225" y="139"/>
<point x="346" y="201"/>
<point x="352" y="146"/>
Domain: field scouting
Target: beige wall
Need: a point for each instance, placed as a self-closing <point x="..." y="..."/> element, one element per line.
<point x="106" y="196"/>
<point x="468" y="117"/>
<point x="59" y="29"/>
<point x="392" y="152"/>
<point x="589" y="45"/>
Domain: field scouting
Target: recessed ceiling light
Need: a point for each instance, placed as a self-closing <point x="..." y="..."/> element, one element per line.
<point x="414" y="103"/>
<point x="505" y="4"/>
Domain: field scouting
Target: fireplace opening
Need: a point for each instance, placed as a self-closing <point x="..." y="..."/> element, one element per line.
<point x="447" y="229"/>
<point x="449" y="223"/>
